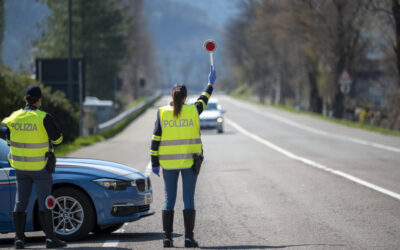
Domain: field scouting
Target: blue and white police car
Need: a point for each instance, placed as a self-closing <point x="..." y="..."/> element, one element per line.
<point x="91" y="196"/>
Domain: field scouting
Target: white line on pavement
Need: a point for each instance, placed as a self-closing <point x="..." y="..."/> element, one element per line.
<point x="121" y="230"/>
<point x="147" y="172"/>
<point x="111" y="243"/>
<point x="317" y="131"/>
<point x="114" y="243"/>
<point x="312" y="163"/>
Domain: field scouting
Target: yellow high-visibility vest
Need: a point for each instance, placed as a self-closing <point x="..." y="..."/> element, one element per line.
<point x="180" y="137"/>
<point x="29" y="141"/>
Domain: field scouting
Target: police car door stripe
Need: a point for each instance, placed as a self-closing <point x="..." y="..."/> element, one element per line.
<point x="29" y="145"/>
<point x="176" y="157"/>
<point x="27" y="159"/>
<point x="180" y="142"/>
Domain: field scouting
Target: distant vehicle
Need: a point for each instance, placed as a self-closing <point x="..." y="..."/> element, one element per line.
<point x="212" y="117"/>
<point x="91" y="196"/>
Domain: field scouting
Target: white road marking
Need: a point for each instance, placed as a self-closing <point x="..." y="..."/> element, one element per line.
<point x="121" y="230"/>
<point x="317" y="131"/>
<point x="111" y="243"/>
<point x="312" y="163"/>
<point x="114" y="243"/>
<point x="148" y="170"/>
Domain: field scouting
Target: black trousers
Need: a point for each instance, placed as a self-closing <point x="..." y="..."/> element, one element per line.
<point x="25" y="180"/>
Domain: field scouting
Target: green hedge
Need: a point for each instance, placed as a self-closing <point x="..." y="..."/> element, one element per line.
<point x="12" y="91"/>
<point x="65" y="148"/>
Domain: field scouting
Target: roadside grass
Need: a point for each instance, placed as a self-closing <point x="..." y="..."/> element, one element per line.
<point x="66" y="148"/>
<point x="319" y="116"/>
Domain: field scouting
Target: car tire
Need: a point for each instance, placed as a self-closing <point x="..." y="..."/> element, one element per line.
<point x="220" y="130"/>
<point x="82" y="214"/>
<point x="107" y="230"/>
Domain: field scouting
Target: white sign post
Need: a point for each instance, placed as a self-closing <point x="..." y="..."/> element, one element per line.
<point x="345" y="82"/>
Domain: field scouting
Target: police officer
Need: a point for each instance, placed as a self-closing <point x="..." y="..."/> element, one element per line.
<point x="30" y="133"/>
<point x="175" y="139"/>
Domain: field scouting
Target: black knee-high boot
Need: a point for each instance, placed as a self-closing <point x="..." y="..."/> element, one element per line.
<point x="46" y="220"/>
<point x="19" y="219"/>
<point x="168" y="222"/>
<point x="189" y="217"/>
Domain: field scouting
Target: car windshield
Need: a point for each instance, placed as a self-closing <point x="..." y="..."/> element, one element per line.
<point x="4" y="149"/>
<point x="211" y="106"/>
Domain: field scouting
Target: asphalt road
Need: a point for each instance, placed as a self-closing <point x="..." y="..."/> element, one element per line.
<point x="273" y="180"/>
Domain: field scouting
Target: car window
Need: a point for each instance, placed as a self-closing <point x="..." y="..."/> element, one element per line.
<point x="211" y="106"/>
<point x="4" y="150"/>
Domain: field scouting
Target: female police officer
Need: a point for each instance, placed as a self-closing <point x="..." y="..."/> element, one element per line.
<point x="29" y="132"/>
<point x="175" y="139"/>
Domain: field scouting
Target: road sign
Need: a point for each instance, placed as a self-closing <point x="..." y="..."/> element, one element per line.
<point x="345" y="77"/>
<point x="210" y="47"/>
<point x="53" y="73"/>
<point x="345" y="88"/>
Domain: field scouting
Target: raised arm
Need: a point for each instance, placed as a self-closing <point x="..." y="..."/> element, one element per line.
<point x="202" y="101"/>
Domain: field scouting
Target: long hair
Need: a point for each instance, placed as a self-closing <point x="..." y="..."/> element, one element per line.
<point x="179" y="94"/>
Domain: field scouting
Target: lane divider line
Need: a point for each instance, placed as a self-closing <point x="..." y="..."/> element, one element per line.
<point x="148" y="170"/>
<point x="312" y="163"/>
<point x="316" y="131"/>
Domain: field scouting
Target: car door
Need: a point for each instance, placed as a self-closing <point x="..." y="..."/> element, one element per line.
<point x="5" y="203"/>
<point x="5" y="188"/>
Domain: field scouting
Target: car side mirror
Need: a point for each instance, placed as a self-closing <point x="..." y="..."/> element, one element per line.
<point x="223" y="111"/>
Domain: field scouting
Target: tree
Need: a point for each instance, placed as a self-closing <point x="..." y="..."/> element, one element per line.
<point x="97" y="37"/>
<point x="139" y="62"/>
<point x="2" y="27"/>
<point x="12" y="89"/>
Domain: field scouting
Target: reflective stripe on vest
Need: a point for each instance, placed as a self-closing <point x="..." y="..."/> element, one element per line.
<point x="29" y="141"/>
<point x="26" y="158"/>
<point x="176" y="157"/>
<point x="180" y="142"/>
<point x="29" y="145"/>
<point x="180" y="137"/>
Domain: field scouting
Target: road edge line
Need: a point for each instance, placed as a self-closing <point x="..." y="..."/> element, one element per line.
<point x="312" y="163"/>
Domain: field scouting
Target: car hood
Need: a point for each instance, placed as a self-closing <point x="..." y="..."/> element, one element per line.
<point x="98" y="168"/>
<point x="210" y="114"/>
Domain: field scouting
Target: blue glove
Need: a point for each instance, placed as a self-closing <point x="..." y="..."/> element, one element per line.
<point x="156" y="170"/>
<point x="212" y="76"/>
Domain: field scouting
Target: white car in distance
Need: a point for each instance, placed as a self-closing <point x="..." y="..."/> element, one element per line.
<point x="212" y="117"/>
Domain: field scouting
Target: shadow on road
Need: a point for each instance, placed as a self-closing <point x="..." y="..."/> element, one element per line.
<point x="37" y="242"/>
<point x="127" y="237"/>
<point x="268" y="247"/>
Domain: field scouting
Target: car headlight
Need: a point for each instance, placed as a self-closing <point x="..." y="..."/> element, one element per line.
<point x="219" y="119"/>
<point x="112" y="184"/>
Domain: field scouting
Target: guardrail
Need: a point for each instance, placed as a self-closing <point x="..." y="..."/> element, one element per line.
<point x="103" y="127"/>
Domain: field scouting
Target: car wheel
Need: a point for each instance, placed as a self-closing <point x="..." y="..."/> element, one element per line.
<point x="220" y="130"/>
<point x="73" y="214"/>
<point x="107" y="230"/>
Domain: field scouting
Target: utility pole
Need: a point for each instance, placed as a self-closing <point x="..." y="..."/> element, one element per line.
<point x="70" y="86"/>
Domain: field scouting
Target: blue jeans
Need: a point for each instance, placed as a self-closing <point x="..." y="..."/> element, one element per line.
<point x="171" y="185"/>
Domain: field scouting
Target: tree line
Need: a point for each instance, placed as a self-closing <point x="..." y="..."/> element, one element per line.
<point x="293" y="52"/>
<point x="112" y="38"/>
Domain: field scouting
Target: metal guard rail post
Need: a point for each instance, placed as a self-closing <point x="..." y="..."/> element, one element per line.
<point x="116" y="120"/>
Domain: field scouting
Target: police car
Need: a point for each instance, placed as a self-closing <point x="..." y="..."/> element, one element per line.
<point x="91" y="196"/>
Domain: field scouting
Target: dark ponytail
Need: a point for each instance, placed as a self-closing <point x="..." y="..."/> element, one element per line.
<point x="179" y="94"/>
